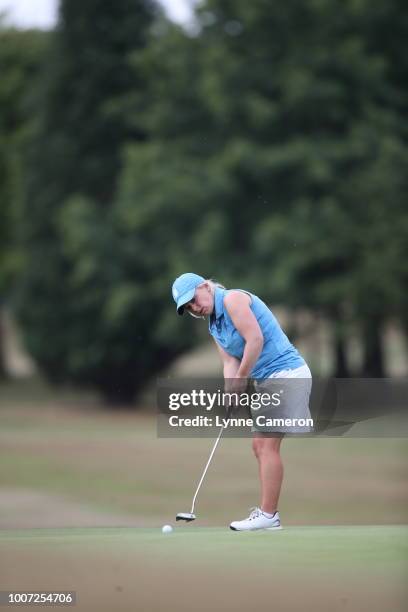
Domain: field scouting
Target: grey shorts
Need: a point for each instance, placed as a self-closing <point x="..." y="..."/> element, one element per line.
<point x="287" y="410"/>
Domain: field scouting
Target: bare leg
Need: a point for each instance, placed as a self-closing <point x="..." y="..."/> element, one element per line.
<point x="267" y="452"/>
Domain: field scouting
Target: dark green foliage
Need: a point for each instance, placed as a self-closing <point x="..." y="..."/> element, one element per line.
<point x="84" y="299"/>
<point x="21" y="54"/>
<point x="268" y="150"/>
<point x="310" y="100"/>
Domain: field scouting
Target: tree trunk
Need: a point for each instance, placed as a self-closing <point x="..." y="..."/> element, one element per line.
<point x="3" y="371"/>
<point x="341" y="367"/>
<point x="373" y="352"/>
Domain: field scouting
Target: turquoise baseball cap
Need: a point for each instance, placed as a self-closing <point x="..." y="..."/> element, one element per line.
<point x="184" y="288"/>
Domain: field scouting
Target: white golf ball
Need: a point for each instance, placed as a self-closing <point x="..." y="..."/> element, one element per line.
<point x="167" y="529"/>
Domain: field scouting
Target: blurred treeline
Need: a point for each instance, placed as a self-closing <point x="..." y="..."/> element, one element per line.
<point x="265" y="147"/>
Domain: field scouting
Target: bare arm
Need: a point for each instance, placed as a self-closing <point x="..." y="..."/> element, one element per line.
<point x="230" y="364"/>
<point x="238" y="307"/>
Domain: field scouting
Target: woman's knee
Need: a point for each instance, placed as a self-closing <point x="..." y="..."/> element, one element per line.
<point x="262" y="445"/>
<point x="257" y="446"/>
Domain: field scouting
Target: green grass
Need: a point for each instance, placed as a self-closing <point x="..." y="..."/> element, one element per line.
<point x="366" y="549"/>
<point x="67" y="450"/>
<point x="116" y="463"/>
<point x="318" y="568"/>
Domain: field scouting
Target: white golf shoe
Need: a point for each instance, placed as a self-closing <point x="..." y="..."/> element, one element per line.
<point x="257" y="520"/>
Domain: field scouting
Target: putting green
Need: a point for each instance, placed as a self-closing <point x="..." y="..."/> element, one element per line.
<point x="369" y="548"/>
<point x="344" y="567"/>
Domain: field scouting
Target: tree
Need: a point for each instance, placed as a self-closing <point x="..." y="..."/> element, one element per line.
<point x="270" y="160"/>
<point x="21" y="54"/>
<point x="308" y="100"/>
<point x="88" y="114"/>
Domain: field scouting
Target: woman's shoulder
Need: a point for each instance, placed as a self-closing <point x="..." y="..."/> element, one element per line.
<point x="237" y="297"/>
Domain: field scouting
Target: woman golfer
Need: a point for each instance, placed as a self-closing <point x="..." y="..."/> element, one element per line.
<point x="252" y="344"/>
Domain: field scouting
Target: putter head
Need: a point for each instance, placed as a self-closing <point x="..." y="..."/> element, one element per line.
<point x="185" y="516"/>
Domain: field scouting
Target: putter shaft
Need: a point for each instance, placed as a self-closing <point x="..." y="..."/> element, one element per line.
<point x="206" y="468"/>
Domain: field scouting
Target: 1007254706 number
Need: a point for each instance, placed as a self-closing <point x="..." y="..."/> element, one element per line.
<point x="51" y="598"/>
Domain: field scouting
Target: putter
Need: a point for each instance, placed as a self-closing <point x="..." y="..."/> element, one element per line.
<point x="190" y="516"/>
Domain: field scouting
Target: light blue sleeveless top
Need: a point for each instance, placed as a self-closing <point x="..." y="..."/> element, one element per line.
<point x="277" y="354"/>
